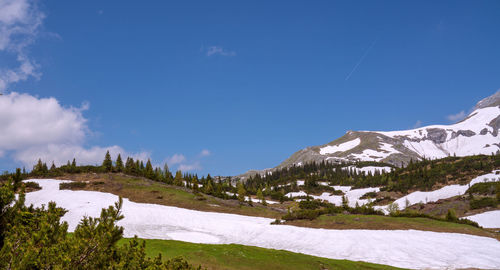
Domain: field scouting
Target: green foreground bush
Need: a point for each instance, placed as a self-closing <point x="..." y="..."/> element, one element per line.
<point x="35" y="238"/>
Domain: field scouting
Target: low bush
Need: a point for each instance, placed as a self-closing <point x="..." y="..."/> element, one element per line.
<point x="302" y="214"/>
<point x="369" y="195"/>
<point x="483" y="202"/>
<point x="72" y="185"/>
<point x="32" y="185"/>
<point x="488" y="188"/>
<point x="311" y="205"/>
<point x="450" y="217"/>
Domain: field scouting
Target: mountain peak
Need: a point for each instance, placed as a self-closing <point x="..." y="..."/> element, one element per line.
<point x="477" y="134"/>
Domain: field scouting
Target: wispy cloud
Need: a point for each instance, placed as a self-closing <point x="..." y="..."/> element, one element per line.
<point x="218" y="50"/>
<point x="20" y="22"/>
<point x="190" y="167"/>
<point x="176" y="159"/>
<point x="188" y="164"/>
<point x="417" y="124"/>
<point x="205" y="153"/>
<point x="456" y="117"/>
<point x="361" y="59"/>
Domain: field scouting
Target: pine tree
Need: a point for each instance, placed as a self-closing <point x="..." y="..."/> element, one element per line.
<point x="345" y="202"/>
<point x="148" y="171"/>
<point x="241" y="192"/>
<point x="195" y="184"/>
<point x="178" y="178"/>
<point x="260" y="196"/>
<point x="72" y="167"/>
<point x="53" y="167"/>
<point x="209" y="188"/>
<point x="119" y="163"/>
<point x="130" y="166"/>
<point x="107" y="163"/>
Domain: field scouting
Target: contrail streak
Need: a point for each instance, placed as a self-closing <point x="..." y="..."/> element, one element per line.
<point x="361" y="59"/>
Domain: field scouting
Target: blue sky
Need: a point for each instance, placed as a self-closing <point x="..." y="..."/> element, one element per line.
<point x="252" y="82"/>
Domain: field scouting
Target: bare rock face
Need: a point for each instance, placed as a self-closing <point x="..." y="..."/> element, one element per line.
<point x="465" y="133"/>
<point x="476" y="134"/>
<point x="491" y="101"/>
<point x="436" y="135"/>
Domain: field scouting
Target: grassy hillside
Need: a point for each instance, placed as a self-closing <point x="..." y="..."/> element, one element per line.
<point x="376" y="222"/>
<point x="142" y="190"/>
<point x="246" y="258"/>
<point x="139" y="189"/>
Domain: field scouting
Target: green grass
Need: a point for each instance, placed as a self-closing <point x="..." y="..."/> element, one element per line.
<point x="375" y="222"/>
<point x="246" y="257"/>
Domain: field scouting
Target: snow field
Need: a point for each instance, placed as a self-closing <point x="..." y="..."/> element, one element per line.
<point x="402" y="248"/>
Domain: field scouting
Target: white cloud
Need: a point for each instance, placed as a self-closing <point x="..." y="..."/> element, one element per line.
<point x="456" y="117"/>
<point x="205" y="153"/>
<point x="20" y="21"/>
<point x="28" y="121"/>
<point x="217" y="50"/>
<point x="33" y="128"/>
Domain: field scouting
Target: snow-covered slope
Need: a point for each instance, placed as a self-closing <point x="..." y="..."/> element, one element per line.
<point x="402" y="248"/>
<point x="442" y="193"/>
<point x="476" y="134"/>
<point x="490" y="219"/>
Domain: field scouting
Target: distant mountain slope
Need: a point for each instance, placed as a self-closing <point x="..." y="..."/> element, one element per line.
<point x="477" y="134"/>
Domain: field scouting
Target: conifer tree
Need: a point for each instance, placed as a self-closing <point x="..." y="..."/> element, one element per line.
<point x="178" y="178"/>
<point x="260" y="196"/>
<point x="72" y="167"/>
<point x="148" y="171"/>
<point x="107" y="163"/>
<point x="138" y="170"/>
<point x="345" y="202"/>
<point x="167" y="175"/>
<point x="119" y="163"/>
<point x="241" y="192"/>
<point x="53" y="167"/>
<point x="194" y="183"/>
<point x="129" y="166"/>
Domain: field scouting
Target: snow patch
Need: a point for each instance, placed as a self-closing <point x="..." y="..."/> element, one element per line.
<point x="330" y="149"/>
<point x="442" y="193"/>
<point x="353" y="195"/>
<point x="490" y="219"/>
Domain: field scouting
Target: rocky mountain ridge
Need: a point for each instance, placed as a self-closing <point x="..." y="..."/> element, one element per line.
<point x="478" y="133"/>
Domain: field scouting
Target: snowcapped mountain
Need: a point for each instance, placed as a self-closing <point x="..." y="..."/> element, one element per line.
<point x="476" y="134"/>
